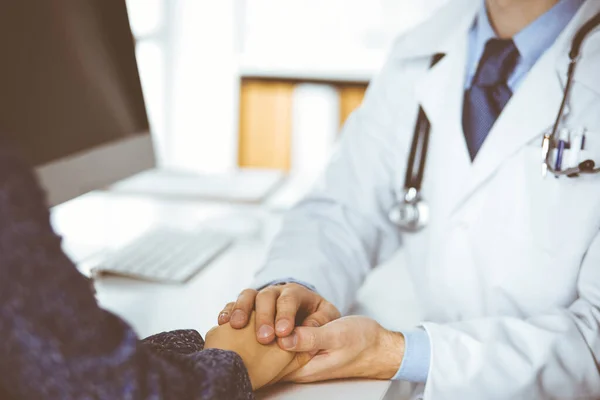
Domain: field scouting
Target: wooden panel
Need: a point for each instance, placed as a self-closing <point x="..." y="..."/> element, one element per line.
<point x="351" y="96"/>
<point x="265" y="124"/>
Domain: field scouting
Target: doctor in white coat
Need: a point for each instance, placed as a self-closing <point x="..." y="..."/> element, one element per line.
<point x="507" y="269"/>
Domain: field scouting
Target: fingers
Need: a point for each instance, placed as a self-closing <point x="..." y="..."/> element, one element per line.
<point x="277" y="309"/>
<point x="265" y="315"/>
<point x="225" y="314"/>
<point x="288" y="304"/>
<point x="243" y="309"/>
<point x="295" y="300"/>
<point x="324" y="314"/>
<point x="309" y="340"/>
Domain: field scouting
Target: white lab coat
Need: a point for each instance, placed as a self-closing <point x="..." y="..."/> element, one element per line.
<point x="508" y="270"/>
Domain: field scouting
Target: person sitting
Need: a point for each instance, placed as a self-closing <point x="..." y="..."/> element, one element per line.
<point x="57" y="343"/>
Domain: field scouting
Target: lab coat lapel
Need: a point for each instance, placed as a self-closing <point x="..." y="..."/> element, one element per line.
<point x="440" y="92"/>
<point x="532" y="110"/>
<point x="529" y="114"/>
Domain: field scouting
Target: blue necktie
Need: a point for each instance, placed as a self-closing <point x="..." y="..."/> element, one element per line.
<point x="489" y="92"/>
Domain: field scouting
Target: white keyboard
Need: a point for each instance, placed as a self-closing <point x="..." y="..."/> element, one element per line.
<point x="165" y="255"/>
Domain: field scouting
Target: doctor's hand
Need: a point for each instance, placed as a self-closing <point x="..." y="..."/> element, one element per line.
<point x="266" y="364"/>
<point x="351" y="347"/>
<point x="279" y="308"/>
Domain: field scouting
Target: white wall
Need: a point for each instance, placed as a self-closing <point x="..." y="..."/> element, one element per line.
<point x="205" y="86"/>
<point x="401" y="15"/>
<point x="149" y="20"/>
<point x="189" y="56"/>
<point x="337" y="25"/>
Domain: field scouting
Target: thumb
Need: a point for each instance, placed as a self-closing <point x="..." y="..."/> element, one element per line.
<point x="305" y="339"/>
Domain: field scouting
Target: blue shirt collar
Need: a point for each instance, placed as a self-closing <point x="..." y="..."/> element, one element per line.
<point x="540" y="35"/>
<point x="533" y="41"/>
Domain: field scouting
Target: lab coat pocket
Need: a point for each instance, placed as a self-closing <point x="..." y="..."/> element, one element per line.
<point x="561" y="214"/>
<point x="535" y="231"/>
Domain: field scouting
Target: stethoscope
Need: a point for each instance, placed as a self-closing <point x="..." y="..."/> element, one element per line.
<point x="411" y="213"/>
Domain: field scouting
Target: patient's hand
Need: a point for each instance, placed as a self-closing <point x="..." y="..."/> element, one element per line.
<point x="266" y="364"/>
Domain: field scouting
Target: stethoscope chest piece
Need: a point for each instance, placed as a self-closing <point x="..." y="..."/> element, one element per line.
<point x="411" y="214"/>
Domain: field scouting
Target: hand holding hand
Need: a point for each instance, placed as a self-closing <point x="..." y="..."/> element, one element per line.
<point x="351" y="347"/>
<point x="278" y="309"/>
<point x="266" y="364"/>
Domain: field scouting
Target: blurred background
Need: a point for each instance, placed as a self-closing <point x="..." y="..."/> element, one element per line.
<point x="245" y="100"/>
<point x="260" y="83"/>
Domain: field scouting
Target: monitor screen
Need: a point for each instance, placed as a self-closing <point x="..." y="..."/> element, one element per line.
<point x="69" y="81"/>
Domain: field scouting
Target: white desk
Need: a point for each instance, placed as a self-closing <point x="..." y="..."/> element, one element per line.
<point x="376" y="390"/>
<point x="152" y="307"/>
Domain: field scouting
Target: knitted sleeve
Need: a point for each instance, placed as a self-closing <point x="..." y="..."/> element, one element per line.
<point x="56" y="343"/>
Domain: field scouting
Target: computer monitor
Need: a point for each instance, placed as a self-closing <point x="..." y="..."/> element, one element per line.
<point x="70" y="93"/>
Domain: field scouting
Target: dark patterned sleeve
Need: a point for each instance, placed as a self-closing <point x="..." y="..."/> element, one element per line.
<point x="56" y="343"/>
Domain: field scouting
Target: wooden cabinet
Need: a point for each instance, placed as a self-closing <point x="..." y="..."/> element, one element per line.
<point x="265" y="124"/>
<point x="265" y="132"/>
<point x="351" y="97"/>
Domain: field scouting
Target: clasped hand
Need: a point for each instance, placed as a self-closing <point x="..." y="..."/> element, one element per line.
<point x="323" y="347"/>
<point x="266" y="364"/>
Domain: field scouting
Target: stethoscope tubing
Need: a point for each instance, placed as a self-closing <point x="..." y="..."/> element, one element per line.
<point x="413" y="206"/>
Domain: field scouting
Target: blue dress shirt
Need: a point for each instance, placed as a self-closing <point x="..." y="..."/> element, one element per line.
<point x="532" y="42"/>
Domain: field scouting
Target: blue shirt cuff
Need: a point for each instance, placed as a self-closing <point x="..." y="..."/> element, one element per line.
<point x="417" y="352"/>
<point x="289" y="280"/>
